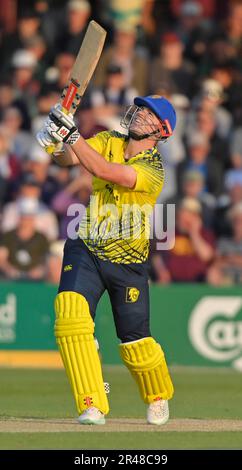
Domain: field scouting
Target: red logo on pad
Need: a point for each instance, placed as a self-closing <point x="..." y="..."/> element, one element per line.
<point x="88" y="401"/>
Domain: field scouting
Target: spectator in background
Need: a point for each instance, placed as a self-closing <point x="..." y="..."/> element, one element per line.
<point x="229" y="75"/>
<point x="58" y="178"/>
<point x="219" y="146"/>
<point x="235" y="173"/>
<point x="130" y="12"/>
<point x="227" y="267"/>
<point x="54" y="262"/>
<point x="58" y="75"/>
<point x="51" y="21"/>
<point x="226" y="43"/>
<point x="192" y="187"/>
<point x="124" y="54"/>
<point x="236" y="141"/>
<point x="9" y="165"/>
<point x="78" y="192"/>
<point x="37" y="164"/>
<point x="20" y="140"/>
<point x="38" y="47"/>
<point x="46" y="99"/>
<point x="30" y="193"/>
<point x="7" y="95"/>
<point x="210" y="99"/>
<point x="233" y="196"/>
<point x="27" y="27"/>
<point x="193" y="30"/>
<point x="87" y="120"/>
<point x="234" y="27"/>
<point x="41" y="6"/>
<point x="8" y="99"/>
<point x="172" y="67"/>
<point x="188" y="260"/>
<point x="199" y="159"/>
<point x="78" y="12"/>
<point x="26" y="86"/>
<point x="156" y="19"/>
<point x="148" y="23"/>
<point x="136" y="13"/>
<point x="208" y="7"/>
<point x="109" y="101"/>
<point x="23" y="251"/>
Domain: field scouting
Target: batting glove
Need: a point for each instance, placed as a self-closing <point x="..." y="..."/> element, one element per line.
<point x="61" y="126"/>
<point x="45" y="140"/>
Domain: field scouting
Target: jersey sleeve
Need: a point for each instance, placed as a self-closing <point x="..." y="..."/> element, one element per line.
<point x="150" y="177"/>
<point x="99" y="141"/>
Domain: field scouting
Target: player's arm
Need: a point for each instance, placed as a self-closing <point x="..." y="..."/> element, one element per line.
<point x="65" y="157"/>
<point x="83" y="154"/>
<point x="60" y="127"/>
<point x="98" y="166"/>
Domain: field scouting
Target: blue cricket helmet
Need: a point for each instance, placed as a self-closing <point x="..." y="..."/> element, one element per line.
<point x="160" y="106"/>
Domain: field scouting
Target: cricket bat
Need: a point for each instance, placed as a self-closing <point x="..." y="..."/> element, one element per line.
<point x="83" y="69"/>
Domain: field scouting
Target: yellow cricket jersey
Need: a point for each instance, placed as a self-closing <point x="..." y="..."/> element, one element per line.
<point x="116" y="224"/>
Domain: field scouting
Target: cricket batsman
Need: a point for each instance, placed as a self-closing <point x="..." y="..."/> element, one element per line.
<point x="111" y="253"/>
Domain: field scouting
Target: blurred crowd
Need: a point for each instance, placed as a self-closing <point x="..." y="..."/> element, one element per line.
<point x="187" y="51"/>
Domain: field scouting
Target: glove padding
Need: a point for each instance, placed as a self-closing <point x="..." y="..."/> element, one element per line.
<point x="61" y="126"/>
<point x="45" y="140"/>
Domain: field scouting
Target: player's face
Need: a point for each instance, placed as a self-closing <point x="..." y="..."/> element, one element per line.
<point x="141" y="121"/>
<point x="144" y="121"/>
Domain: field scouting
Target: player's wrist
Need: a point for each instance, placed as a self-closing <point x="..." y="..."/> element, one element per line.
<point x="73" y="137"/>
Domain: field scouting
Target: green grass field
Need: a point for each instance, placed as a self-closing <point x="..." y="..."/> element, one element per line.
<point x="29" y="397"/>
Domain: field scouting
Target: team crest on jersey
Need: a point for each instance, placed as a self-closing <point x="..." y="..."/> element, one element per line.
<point x="132" y="294"/>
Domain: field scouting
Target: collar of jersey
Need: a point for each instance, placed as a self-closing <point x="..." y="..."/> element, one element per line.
<point x="150" y="151"/>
